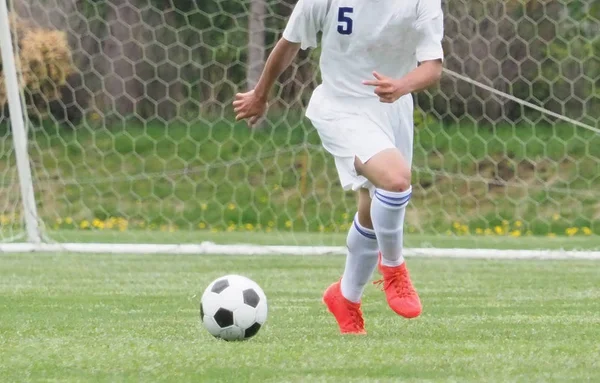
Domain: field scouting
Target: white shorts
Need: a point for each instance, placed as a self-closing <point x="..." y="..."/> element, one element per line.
<point x="356" y="127"/>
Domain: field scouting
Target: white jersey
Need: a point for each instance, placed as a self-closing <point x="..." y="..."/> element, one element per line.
<point x="362" y="36"/>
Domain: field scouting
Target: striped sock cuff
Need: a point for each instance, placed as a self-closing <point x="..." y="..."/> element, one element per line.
<point x="367" y="233"/>
<point x="393" y="199"/>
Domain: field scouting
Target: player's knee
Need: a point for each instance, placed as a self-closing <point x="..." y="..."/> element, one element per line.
<point x="397" y="182"/>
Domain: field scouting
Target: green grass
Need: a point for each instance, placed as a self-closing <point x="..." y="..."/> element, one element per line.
<point x="101" y="318"/>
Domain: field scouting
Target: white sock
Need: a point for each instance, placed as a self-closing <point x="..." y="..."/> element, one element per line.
<point x="360" y="261"/>
<point x="387" y="212"/>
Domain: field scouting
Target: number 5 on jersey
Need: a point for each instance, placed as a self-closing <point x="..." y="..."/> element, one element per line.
<point x="344" y="20"/>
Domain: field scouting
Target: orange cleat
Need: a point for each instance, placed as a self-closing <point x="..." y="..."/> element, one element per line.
<point x="399" y="290"/>
<point x="347" y="314"/>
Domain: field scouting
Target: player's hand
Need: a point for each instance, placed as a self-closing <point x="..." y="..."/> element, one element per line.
<point x="385" y="87"/>
<point x="248" y="106"/>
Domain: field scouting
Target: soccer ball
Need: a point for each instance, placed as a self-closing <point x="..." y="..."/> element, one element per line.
<point x="233" y="308"/>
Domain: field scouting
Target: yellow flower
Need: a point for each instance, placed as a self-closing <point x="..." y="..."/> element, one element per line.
<point x="214" y="230"/>
<point x="230" y="206"/>
<point x="230" y="228"/>
<point x="488" y="231"/>
<point x="249" y="226"/>
<point x="203" y="206"/>
<point x="4" y="219"/>
<point x="504" y="222"/>
<point x="201" y="225"/>
<point x="123" y="224"/>
<point x="518" y="224"/>
<point x="59" y="221"/>
<point x="551" y="235"/>
<point x="288" y="224"/>
<point x="515" y="233"/>
<point x="586" y="230"/>
<point x="479" y="231"/>
<point x="84" y="224"/>
<point x="571" y="231"/>
<point x="456" y="225"/>
<point x="499" y="230"/>
<point x="555" y="217"/>
<point x="321" y="228"/>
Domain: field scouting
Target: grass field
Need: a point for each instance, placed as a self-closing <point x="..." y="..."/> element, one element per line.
<point x="77" y="318"/>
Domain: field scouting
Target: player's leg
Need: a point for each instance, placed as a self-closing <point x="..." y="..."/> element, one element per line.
<point x="390" y="173"/>
<point x="343" y="297"/>
<point x="361" y="258"/>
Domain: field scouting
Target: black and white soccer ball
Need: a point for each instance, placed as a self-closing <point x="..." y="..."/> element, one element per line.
<point x="233" y="308"/>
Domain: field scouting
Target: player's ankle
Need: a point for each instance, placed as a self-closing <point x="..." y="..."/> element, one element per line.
<point x="392" y="262"/>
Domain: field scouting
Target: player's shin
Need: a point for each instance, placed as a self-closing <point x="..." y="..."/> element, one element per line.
<point x="360" y="261"/>
<point x="387" y="212"/>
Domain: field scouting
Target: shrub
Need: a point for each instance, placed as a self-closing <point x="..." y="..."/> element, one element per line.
<point x="44" y="63"/>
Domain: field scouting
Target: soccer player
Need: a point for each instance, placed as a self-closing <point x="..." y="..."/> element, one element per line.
<point x="375" y="53"/>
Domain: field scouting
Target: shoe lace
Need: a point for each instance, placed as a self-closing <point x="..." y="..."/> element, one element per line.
<point x="399" y="282"/>
<point x="357" y="321"/>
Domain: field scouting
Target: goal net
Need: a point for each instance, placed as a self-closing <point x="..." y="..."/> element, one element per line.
<point x="129" y="136"/>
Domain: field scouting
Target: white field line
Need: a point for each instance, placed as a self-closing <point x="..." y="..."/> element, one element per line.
<point x="208" y="248"/>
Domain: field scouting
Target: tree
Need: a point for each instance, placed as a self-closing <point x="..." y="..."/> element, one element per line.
<point x="256" y="41"/>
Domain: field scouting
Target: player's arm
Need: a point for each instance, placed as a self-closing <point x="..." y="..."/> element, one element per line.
<point x="429" y="30"/>
<point x="389" y="90"/>
<point x="252" y="105"/>
<point x="300" y="33"/>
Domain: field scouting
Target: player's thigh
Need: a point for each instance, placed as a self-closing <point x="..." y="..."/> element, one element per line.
<point x="387" y="170"/>
<point x="364" y="208"/>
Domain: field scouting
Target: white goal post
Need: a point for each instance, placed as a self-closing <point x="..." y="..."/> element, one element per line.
<point x="18" y="128"/>
<point x="118" y="137"/>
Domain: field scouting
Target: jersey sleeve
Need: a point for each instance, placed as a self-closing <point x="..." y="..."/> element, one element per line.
<point x="305" y="23"/>
<point x="430" y="30"/>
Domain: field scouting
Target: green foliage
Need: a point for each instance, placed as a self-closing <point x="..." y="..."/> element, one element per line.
<point x="226" y="177"/>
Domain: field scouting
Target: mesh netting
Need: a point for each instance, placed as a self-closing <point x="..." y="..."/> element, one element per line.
<point x="132" y="133"/>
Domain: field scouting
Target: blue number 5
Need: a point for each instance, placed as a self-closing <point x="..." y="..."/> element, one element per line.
<point x="345" y="22"/>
